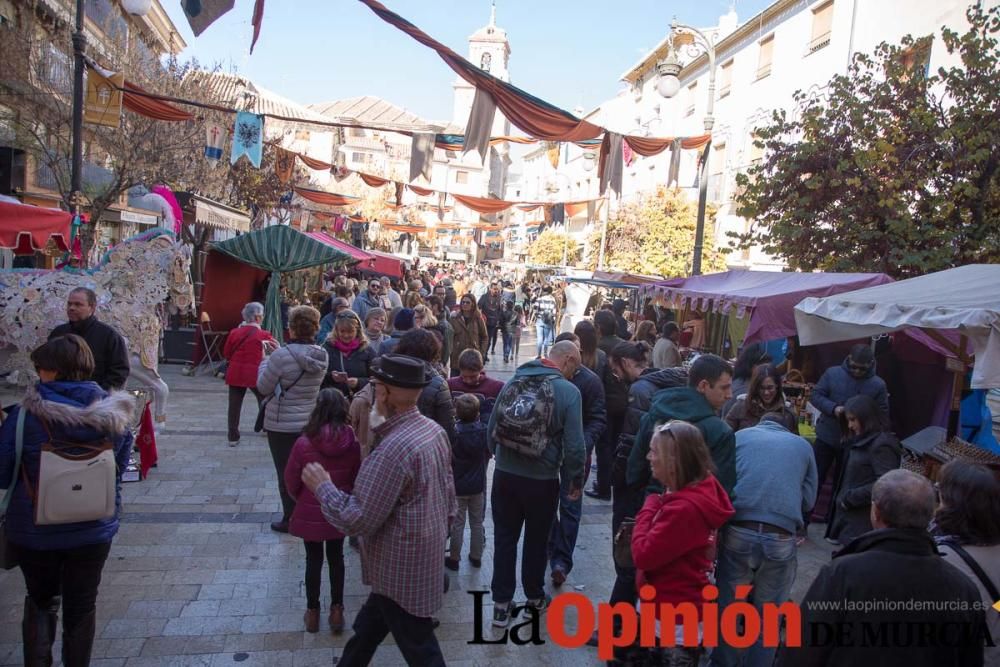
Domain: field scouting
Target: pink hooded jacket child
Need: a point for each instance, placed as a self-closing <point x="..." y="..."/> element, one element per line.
<point x="339" y="452"/>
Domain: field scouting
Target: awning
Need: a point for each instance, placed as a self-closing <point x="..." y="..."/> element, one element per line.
<point x="767" y="297"/>
<point x="387" y="264"/>
<point x="964" y="300"/>
<point x="213" y="214"/>
<point x="366" y="258"/>
<point x="26" y="228"/>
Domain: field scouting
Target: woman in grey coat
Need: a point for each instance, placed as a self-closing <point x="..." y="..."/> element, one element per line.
<point x="290" y="380"/>
<point x="871" y="452"/>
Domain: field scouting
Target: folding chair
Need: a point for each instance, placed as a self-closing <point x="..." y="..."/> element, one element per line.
<point x="211" y="342"/>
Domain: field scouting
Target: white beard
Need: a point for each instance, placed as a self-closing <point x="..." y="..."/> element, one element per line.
<point x="375" y="417"/>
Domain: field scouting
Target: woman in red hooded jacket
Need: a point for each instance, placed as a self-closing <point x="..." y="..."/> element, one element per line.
<point x="674" y="539"/>
<point x="330" y="442"/>
<point x="244" y="350"/>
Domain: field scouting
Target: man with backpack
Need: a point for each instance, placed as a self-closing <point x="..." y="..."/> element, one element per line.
<point x="545" y="320"/>
<point x="536" y="434"/>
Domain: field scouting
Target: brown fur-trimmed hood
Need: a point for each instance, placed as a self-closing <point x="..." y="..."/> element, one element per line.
<point x="112" y="414"/>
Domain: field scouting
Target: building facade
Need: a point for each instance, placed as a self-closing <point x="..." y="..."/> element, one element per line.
<point x="791" y="45"/>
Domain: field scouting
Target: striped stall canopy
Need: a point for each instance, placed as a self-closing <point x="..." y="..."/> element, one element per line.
<point x="277" y="249"/>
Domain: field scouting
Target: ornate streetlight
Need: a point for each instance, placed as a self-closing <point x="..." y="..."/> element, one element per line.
<point x="668" y="84"/>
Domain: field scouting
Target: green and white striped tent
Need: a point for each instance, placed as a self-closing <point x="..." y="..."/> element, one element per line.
<point x="277" y="249"/>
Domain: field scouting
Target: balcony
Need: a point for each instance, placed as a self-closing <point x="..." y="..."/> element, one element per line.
<point x="95" y="178"/>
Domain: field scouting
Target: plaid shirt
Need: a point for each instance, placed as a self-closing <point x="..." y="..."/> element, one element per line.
<point x="402" y="505"/>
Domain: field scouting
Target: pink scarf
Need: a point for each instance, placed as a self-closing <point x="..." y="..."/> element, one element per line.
<point x="347" y="348"/>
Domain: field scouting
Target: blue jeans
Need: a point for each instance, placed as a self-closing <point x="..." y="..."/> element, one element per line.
<point x="508" y="344"/>
<point x="545" y="337"/>
<point x="765" y="561"/>
<point x="562" y="536"/>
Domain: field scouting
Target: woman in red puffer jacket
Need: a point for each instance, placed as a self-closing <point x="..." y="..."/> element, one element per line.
<point x="244" y="350"/>
<point x="330" y="442"/>
<point x="673" y="543"/>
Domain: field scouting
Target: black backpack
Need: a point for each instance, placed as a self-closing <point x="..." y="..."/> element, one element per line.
<point x="524" y="412"/>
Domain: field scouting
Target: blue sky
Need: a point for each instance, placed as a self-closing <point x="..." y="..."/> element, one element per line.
<point x="569" y="52"/>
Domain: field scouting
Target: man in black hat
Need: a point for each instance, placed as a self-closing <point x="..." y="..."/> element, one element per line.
<point x="402" y="505"/>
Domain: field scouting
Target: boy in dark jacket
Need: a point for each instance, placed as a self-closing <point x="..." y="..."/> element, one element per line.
<point x="469" y="456"/>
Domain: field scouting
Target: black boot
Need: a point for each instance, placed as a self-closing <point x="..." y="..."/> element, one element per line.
<point x="38" y="632"/>
<point x="78" y="641"/>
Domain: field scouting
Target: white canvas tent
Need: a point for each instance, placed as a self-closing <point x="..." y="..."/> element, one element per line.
<point x="965" y="300"/>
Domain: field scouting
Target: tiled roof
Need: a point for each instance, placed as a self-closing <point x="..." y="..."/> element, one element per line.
<point x="234" y="90"/>
<point x="371" y="110"/>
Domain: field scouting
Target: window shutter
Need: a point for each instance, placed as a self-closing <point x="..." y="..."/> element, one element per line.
<point x="766" y="57"/>
<point x="822" y="26"/>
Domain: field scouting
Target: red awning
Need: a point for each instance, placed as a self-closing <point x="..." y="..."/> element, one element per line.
<point x="387" y="265"/>
<point x="366" y="259"/>
<point x="26" y="228"/>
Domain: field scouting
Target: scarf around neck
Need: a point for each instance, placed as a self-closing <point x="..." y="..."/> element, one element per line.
<point x="347" y="348"/>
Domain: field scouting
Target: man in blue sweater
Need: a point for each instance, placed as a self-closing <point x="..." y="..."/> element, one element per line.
<point x="536" y="435"/>
<point x="775" y="484"/>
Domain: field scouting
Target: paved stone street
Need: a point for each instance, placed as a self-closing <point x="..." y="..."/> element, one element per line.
<point x="196" y="577"/>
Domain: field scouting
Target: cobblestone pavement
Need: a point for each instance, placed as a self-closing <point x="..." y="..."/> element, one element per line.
<point x="196" y="577"/>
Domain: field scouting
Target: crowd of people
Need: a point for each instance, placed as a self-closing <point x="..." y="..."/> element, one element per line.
<point x="382" y="424"/>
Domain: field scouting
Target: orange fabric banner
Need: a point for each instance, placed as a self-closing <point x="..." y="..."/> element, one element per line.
<point x="147" y="106"/>
<point x="313" y="163"/>
<point x="423" y="192"/>
<point x="327" y="198"/>
<point x="575" y="209"/>
<point x="373" y="181"/>
<point x="482" y="204"/>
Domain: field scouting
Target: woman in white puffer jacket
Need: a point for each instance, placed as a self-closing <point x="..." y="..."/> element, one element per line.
<point x="290" y="380"/>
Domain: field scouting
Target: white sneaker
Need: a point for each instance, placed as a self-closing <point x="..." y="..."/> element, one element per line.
<point x="233" y="443"/>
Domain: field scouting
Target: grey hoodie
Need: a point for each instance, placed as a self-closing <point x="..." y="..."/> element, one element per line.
<point x="299" y="369"/>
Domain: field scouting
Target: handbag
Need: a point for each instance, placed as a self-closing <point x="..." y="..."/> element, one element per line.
<point x="278" y="391"/>
<point x="622" y="549"/>
<point x="8" y="556"/>
<point x="77" y="482"/>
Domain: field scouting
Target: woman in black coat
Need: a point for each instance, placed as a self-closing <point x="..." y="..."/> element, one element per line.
<point x="871" y="452"/>
<point x="349" y="356"/>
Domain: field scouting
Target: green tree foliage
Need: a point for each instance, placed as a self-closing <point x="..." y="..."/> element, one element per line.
<point x="655" y="236"/>
<point x="896" y="170"/>
<point x="548" y="249"/>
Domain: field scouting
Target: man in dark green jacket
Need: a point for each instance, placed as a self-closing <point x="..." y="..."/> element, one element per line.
<point x="710" y="384"/>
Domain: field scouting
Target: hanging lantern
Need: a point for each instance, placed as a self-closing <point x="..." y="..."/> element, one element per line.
<point x="137" y="7"/>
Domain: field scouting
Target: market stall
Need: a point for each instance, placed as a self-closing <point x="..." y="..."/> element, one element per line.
<point x="237" y="269"/>
<point x="25" y="229"/>
<point x="954" y="309"/>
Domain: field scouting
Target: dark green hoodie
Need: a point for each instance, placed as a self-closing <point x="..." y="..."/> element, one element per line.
<point x="688" y="405"/>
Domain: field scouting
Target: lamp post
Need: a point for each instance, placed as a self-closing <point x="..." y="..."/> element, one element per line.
<point x="668" y="84"/>
<point x="133" y="7"/>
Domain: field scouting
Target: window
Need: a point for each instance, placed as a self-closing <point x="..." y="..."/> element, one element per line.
<point x="358" y="158"/>
<point x="356" y="132"/>
<point x="692" y="98"/>
<point x="822" y="26"/>
<point x="55" y="68"/>
<point x="485" y="62"/>
<point x="717" y="164"/>
<point x="917" y="58"/>
<point x="726" y="81"/>
<point x="755" y="152"/>
<point x="765" y="57"/>
<point x="461" y="177"/>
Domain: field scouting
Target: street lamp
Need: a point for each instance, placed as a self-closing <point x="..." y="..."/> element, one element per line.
<point x="134" y="7"/>
<point x="668" y="84"/>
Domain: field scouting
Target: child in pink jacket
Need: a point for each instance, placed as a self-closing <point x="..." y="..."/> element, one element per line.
<point x="329" y="441"/>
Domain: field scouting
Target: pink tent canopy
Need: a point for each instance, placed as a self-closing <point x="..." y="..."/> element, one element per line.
<point x="768" y="297"/>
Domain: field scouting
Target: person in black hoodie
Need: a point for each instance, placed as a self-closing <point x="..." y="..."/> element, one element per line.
<point x="469" y="456"/>
<point x="490" y="305"/>
<point x="889" y="568"/>
<point x="566" y="527"/>
<point x="111" y="366"/>
<point x="435" y="400"/>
